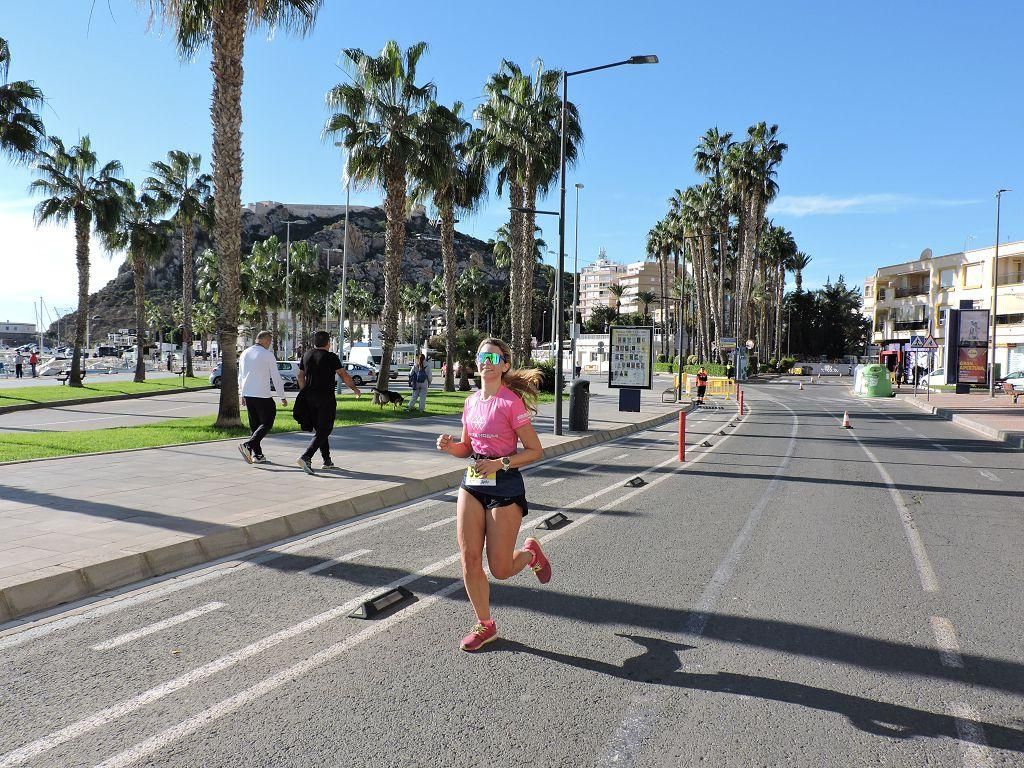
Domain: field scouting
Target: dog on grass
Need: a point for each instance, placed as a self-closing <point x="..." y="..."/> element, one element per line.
<point x="387" y="397"/>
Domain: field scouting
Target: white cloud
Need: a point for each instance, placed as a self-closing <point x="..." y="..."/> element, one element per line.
<point x="816" y="205"/>
<point x="41" y="262"/>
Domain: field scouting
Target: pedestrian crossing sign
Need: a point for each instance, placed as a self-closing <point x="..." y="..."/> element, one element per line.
<point x="917" y="342"/>
<point x="930" y="342"/>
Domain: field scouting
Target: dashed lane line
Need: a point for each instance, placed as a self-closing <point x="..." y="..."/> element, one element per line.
<point x="990" y="475"/>
<point x="945" y="639"/>
<point x="973" y="745"/>
<point x="336" y="561"/>
<point x="152" y="629"/>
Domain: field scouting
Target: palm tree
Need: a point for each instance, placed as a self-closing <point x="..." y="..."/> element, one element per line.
<point x="75" y="190"/>
<point x="204" y="322"/>
<point x="156" y="318"/>
<point x="646" y="298"/>
<point x="379" y="113"/>
<point x="139" y="232"/>
<point x="797" y="265"/>
<point x="263" y="276"/>
<point x="223" y="25"/>
<point x="521" y="139"/>
<point x="617" y="290"/>
<point x="752" y="166"/>
<point x="453" y="177"/>
<point x="178" y="186"/>
<point x="21" y="129"/>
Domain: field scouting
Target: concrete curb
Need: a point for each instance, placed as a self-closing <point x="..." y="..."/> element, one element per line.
<point x="19" y="600"/>
<point x="86" y="400"/>
<point x="1014" y="440"/>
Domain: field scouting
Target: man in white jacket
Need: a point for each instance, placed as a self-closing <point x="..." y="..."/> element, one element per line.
<point x="257" y="371"/>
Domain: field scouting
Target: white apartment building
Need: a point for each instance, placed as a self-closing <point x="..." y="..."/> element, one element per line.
<point x="912" y="298"/>
<point x="597" y="278"/>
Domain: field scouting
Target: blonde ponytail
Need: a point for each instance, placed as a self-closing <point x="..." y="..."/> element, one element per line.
<point x="525" y="382"/>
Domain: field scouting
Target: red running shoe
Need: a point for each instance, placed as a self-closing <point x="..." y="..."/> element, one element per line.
<point x="482" y="634"/>
<point x="539" y="563"/>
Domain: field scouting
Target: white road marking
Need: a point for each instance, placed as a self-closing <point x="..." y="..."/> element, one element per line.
<point x="621" y="456"/>
<point x="110" y="714"/>
<point x="945" y="638"/>
<point x="973" y="745"/>
<point x="929" y="582"/>
<point x="181" y="618"/>
<point x="940" y="446"/>
<point x="239" y="700"/>
<point x="723" y="574"/>
<point x="961" y="459"/>
<point x="438" y="523"/>
<point x="990" y="475"/>
<point x="552" y="482"/>
<point x="336" y="561"/>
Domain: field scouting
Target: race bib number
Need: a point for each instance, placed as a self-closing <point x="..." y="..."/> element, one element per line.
<point x="476" y="479"/>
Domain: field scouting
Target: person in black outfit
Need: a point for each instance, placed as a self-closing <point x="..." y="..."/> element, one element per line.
<point x="316" y="380"/>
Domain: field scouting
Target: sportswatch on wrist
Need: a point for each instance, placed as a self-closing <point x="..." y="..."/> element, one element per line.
<point x="506" y="463"/>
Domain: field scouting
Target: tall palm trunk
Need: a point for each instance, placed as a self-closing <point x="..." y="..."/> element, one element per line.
<point x="515" y="273"/>
<point x="394" y="244"/>
<point x="662" y="255"/>
<point x="139" y="279"/>
<point x="229" y="29"/>
<point x="529" y="264"/>
<point x="187" y="285"/>
<point x="447" y="216"/>
<point x="273" y="328"/>
<point x="83" y="220"/>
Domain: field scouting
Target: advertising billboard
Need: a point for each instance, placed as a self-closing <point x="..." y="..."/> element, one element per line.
<point x="973" y="328"/>
<point x="630" y="357"/>
<point x="973" y="365"/>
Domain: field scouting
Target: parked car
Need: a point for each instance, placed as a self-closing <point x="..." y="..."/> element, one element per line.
<point x="215" y="375"/>
<point x="361" y="374"/>
<point x="1016" y="379"/>
<point x="289" y="370"/>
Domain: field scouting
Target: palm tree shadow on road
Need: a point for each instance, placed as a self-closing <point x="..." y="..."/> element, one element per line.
<point x="659" y="664"/>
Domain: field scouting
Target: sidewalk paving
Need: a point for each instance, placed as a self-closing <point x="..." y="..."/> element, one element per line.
<point x="77" y="526"/>
<point x="996" y="418"/>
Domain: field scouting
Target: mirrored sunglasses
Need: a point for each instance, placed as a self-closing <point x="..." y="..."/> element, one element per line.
<point x="489" y="357"/>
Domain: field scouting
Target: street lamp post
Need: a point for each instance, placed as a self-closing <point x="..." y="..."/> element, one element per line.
<point x="575" y="282"/>
<point x="995" y="298"/>
<point x="344" y="256"/>
<point x="288" y="282"/>
<point x="561" y="221"/>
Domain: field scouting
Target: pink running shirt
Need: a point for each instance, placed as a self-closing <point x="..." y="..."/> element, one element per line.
<point x="492" y="423"/>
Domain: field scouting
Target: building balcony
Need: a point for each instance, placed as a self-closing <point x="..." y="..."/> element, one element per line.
<point x="917" y="290"/>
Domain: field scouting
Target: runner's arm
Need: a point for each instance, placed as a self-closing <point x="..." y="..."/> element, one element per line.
<point x="459" y="449"/>
<point x="532" y="449"/>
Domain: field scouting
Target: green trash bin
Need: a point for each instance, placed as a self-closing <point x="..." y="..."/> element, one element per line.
<point x="873" y="381"/>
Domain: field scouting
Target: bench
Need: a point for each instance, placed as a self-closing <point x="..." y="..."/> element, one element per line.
<point x="1009" y="390"/>
<point x="63" y="376"/>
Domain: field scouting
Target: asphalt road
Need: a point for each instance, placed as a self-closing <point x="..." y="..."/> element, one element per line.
<point x="794" y="595"/>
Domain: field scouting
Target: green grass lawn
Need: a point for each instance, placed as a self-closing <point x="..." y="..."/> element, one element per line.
<point x="54" y="394"/>
<point x="351" y="412"/>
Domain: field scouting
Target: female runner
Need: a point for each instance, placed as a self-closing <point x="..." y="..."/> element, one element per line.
<point x="492" y="496"/>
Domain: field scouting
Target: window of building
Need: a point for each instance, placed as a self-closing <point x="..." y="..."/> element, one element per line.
<point x="973" y="274"/>
<point x="1011" y="270"/>
<point x="947" y="278"/>
<point x="1016" y="319"/>
<point x="869" y="291"/>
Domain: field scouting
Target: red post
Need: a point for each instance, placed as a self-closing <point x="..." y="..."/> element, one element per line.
<point x="737" y="390"/>
<point x="741" y="402"/>
<point x="682" y="435"/>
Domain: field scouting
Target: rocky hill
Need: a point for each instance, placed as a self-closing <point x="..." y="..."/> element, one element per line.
<point x="323" y="226"/>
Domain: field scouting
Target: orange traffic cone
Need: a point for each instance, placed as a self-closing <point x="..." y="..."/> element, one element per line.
<point x="801" y="386"/>
<point x="846" y="420"/>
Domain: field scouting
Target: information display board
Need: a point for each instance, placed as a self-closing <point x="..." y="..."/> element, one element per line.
<point x="631" y="357"/>
<point x="972" y="352"/>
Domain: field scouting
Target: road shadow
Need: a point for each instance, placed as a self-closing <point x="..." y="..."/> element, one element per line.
<point x="659" y="664"/>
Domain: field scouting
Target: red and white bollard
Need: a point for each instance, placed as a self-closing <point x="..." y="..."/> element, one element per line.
<point x="682" y="435"/>
<point x="741" y="402"/>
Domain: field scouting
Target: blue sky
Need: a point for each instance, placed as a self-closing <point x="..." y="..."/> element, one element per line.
<point x="901" y="118"/>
